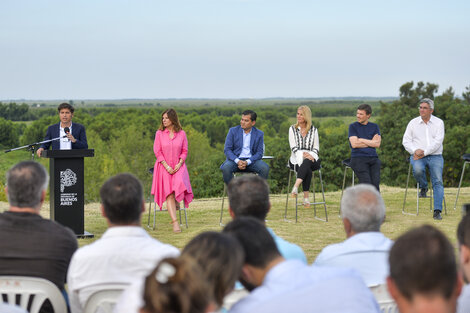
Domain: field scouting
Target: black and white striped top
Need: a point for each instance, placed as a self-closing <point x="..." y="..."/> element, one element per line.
<point x="309" y="143"/>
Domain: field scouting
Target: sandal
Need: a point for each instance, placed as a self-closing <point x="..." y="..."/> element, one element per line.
<point x="306" y="203"/>
<point x="294" y="192"/>
<point x="176" y="230"/>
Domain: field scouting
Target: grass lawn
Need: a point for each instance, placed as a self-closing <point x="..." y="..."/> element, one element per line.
<point x="311" y="234"/>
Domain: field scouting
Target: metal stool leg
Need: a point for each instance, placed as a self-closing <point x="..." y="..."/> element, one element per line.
<point x="288" y="194"/>
<point x="222" y="207"/>
<point x="460" y="183"/>
<point x="323" y="202"/>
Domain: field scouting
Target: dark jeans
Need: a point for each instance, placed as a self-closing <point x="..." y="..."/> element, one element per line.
<point x="367" y="170"/>
<point x="230" y="167"/>
<point x="304" y="172"/>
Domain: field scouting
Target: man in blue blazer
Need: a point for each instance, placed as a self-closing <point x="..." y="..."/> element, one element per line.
<point x="244" y="148"/>
<point x="72" y="135"/>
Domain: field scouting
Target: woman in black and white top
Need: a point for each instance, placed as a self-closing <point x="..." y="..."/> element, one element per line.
<point x="303" y="141"/>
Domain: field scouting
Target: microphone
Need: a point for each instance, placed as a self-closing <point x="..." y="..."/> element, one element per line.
<point x="67" y="131"/>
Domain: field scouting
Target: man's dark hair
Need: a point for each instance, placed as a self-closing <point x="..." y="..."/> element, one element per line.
<point x="463" y="231"/>
<point x="25" y="182"/>
<point x="65" y="105"/>
<point x="121" y="197"/>
<point x="258" y="244"/>
<point x="251" y="113"/>
<point x="248" y="195"/>
<point x="422" y="261"/>
<point x="365" y="107"/>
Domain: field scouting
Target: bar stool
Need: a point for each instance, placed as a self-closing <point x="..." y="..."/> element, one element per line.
<point x="235" y="174"/>
<point x="314" y="202"/>
<point x="150" y="171"/>
<point x="466" y="158"/>
<point x="417" y="195"/>
<point x="347" y="165"/>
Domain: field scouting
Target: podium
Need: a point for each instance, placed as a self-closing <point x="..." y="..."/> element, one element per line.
<point x="67" y="192"/>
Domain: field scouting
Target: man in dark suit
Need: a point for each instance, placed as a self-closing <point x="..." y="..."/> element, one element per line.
<point x="244" y="148"/>
<point x="72" y="136"/>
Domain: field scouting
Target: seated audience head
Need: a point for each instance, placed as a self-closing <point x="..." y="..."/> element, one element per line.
<point x="423" y="271"/>
<point x="176" y="285"/>
<point x="122" y="200"/>
<point x="260" y="249"/>
<point x="26" y="186"/>
<point x="248" y="195"/>
<point x="305" y="111"/>
<point x="220" y="257"/>
<point x="463" y="237"/>
<point x="362" y="209"/>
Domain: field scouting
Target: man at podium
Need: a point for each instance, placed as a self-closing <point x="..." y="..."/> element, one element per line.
<point x="71" y="135"/>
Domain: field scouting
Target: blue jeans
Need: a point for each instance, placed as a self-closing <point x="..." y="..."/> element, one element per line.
<point x="230" y="167"/>
<point x="435" y="164"/>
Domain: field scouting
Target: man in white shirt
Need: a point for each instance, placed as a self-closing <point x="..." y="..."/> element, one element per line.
<point x="423" y="272"/>
<point x="366" y="248"/>
<point x="463" y="238"/>
<point x="423" y="140"/>
<point x="125" y="253"/>
<point x="280" y="285"/>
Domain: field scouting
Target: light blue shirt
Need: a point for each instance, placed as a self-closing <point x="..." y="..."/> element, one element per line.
<point x="292" y="286"/>
<point x="463" y="302"/>
<point x="246" y="151"/>
<point x="288" y="250"/>
<point x="365" y="252"/>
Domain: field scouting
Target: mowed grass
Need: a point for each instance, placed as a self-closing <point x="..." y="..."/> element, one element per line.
<point x="311" y="234"/>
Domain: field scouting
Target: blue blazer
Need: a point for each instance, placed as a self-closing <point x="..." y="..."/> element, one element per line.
<point x="234" y="143"/>
<point x="78" y="132"/>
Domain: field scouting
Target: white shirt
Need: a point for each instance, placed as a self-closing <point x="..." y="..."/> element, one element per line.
<point x="292" y="286"/>
<point x="299" y="144"/>
<point x="463" y="302"/>
<point x="10" y="308"/>
<point x="365" y="252"/>
<point x="65" y="143"/>
<point x="246" y="151"/>
<point x="426" y="136"/>
<point x="123" y="254"/>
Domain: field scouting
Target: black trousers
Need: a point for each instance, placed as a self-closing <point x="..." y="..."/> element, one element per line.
<point x="367" y="170"/>
<point x="304" y="171"/>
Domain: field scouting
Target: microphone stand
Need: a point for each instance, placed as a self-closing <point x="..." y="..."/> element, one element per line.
<point x="32" y="146"/>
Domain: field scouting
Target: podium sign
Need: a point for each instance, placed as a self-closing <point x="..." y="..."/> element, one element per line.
<point x="67" y="192"/>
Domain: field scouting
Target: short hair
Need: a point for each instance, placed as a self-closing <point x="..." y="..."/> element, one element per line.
<point x="422" y="261"/>
<point x="365" y="107"/>
<point x="176" y="285"/>
<point x="248" y="195"/>
<point x="463" y="231"/>
<point x="66" y="105"/>
<point x="364" y="207"/>
<point x="257" y="242"/>
<point x="26" y="182"/>
<point x="251" y="113"/>
<point x="122" y="197"/>
<point x="307" y="113"/>
<point x="221" y="259"/>
<point x="428" y="101"/>
<point x="173" y="117"/>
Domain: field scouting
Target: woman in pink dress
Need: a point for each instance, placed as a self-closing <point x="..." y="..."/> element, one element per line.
<point x="170" y="175"/>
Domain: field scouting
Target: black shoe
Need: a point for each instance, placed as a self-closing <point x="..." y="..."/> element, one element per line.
<point x="422" y="192"/>
<point x="437" y="215"/>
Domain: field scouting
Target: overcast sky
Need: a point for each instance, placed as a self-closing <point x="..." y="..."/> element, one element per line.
<point x="109" y="49"/>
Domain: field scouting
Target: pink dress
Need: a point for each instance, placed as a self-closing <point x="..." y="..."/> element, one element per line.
<point x="171" y="151"/>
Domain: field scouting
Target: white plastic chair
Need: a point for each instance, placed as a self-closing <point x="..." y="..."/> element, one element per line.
<point x="34" y="288"/>
<point x="104" y="300"/>
<point x="386" y="302"/>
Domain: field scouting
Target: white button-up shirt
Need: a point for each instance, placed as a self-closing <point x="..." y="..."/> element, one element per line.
<point x="123" y="254"/>
<point x="65" y="143"/>
<point x="426" y="136"/>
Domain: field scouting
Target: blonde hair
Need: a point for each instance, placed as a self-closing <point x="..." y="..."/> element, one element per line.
<point x="307" y="114"/>
<point x="176" y="285"/>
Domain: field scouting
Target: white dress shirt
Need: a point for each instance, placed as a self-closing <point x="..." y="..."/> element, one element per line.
<point x="425" y="136"/>
<point x="123" y="254"/>
<point x="65" y="143"/>
<point x="365" y="252"/>
<point x="292" y="286"/>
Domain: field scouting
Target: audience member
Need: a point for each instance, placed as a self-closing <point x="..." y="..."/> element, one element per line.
<point x="244" y="148"/>
<point x="125" y="253"/>
<point x="366" y="248"/>
<point x="423" y="272"/>
<point x="280" y="285"/>
<point x="248" y="195"/>
<point x="177" y="285"/>
<point x="32" y="245"/>
<point x="463" y="237"/>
